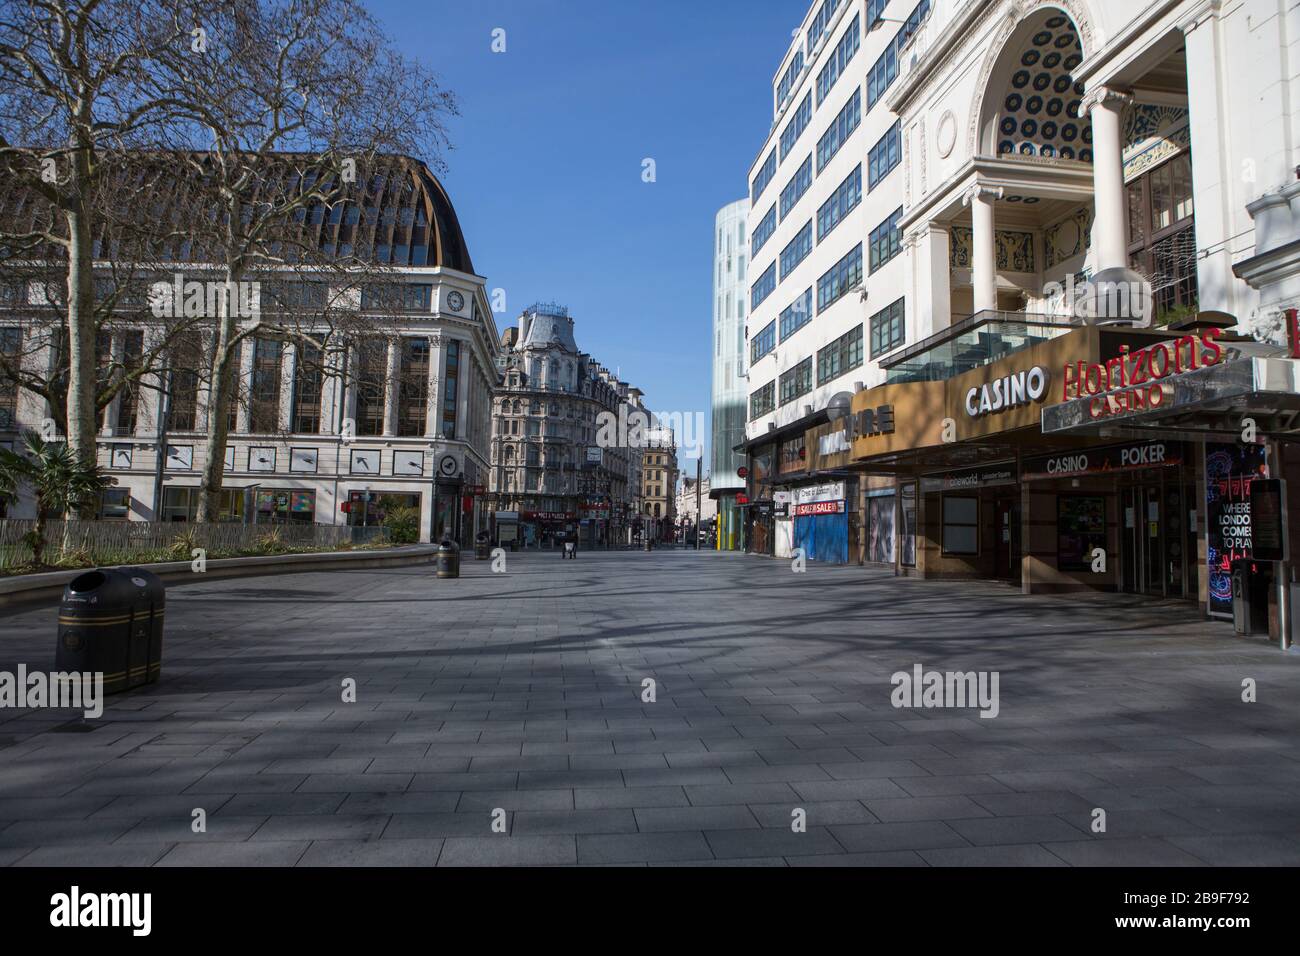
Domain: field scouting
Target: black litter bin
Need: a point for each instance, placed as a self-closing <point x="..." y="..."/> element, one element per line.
<point x="111" y="622"/>
<point x="448" y="560"/>
<point x="482" y="547"/>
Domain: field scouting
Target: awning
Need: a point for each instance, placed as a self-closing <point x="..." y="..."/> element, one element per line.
<point x="1210" y="401"/>
<point x="784" y="431"/>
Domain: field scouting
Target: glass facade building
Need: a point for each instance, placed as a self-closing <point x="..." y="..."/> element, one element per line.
<point x="730" y="290"/>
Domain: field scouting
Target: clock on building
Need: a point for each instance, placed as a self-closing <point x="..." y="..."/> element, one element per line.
<point x="448" y="466"/>
<point x="455" y="301"/>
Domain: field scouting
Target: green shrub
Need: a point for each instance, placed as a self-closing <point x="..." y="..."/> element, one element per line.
<point x="402" y="524"/>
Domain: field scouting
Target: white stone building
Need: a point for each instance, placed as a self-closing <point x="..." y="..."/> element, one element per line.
<point x="730" y="384"/>
<point x="403" y="415"/>
<point x="936" y="160"/>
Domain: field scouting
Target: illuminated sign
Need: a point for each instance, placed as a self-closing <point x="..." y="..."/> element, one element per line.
<point x="1137" y="372"/>
<point x="1010" y="391"/>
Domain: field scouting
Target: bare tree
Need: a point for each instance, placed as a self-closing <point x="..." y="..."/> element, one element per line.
<point x="291" y="104"/>
<point x="72" y="98"/>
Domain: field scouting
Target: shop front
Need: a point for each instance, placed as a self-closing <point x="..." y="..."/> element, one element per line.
<point x="545" y="529"/>
<point x="760" y="522"/>
<point x="1239" y="418"/>
<point x="820" y="518"/>
<point x="829" y="450"/>
<point x="980" y="491"/>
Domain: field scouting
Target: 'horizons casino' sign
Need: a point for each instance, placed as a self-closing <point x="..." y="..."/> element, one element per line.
<point x="1134" y="380"/>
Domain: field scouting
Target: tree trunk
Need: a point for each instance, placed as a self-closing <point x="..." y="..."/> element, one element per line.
<point x="82" y="410"/>
<point x="224" y="379"/>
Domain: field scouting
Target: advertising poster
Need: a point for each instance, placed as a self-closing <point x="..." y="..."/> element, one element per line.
<point x="1229" y="471"/>
<point x="1080" y="529"/>
<point x="880" y="529"/>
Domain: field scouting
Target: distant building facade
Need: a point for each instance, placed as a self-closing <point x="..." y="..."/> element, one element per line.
<point x="555" y="471"/>
<point x="730" y="394"/>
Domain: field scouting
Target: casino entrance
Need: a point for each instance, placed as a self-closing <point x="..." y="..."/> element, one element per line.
<point x="1157" y="537"/>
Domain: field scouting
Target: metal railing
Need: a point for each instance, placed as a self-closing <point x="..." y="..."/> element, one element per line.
<point x="78" y="543"/>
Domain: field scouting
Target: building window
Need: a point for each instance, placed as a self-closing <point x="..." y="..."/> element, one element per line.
<point x="840" y="278"/>
<point x="838" y="60"/>
<point x="234" y="373"/>
<point x="1162" y="238"/>
<point x="763" y="231"/>
<point x="307" y="378"/>
<point x="183" y="401"/>
<point x="845" y="122"/>
<point x="763" y="342"/>
<point x="961" y="524"/>
<point x="794" y="129"/>
<point x="1080" y="531"/>
<point x="796" y="187"/>
<point x="762" y="401"/>
<point x="264" y="395"/>
<point x="451" y="378"/>
<point x="397" y="297"/>
<point x="884" y="156"/>
<point x="764" y="287"/>
<point x="888" y="329"/>
<point x="820" y="23"/>
<point x="842" y="355"/>
<point x="286" y="506"/>
<point x="128" y="405"/>
<point x="182" y="504"/>
<point x="413" y="389"/>
<point x="786" y="84"/>
<point x="796" y="381"/>
<point x="885" y="70"/>
<point x="372" y="375"/>
<point x="10" y="359"/>
<point x="796" y="315"/>
<point x="765" y="174"/>
<point x="796" y="251"/>
<point x="844" y="200"/>
<point x="115" y="504"/>
<point x="294" y="296"/>
<point x="886" y="240"/>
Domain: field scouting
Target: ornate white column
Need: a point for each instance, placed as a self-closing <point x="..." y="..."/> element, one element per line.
<point x="433" y="413"/>
<point x="244" y="383"/>
<point x="288" y="372"/>
<point x="151" y="397"/>
<point x="331" y="383"/>
<point x="392" y="375"/>
<point x="465" y="359"/>
<point x="983" y="245"/>
<point x="1110" y="222"/>
<point x="117" y="354"/>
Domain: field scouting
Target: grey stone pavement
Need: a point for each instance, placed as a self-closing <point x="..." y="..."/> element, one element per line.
<point x="523" y="692"/>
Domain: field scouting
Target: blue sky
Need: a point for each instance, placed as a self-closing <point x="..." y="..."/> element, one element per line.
<point x="545" y="169"/>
